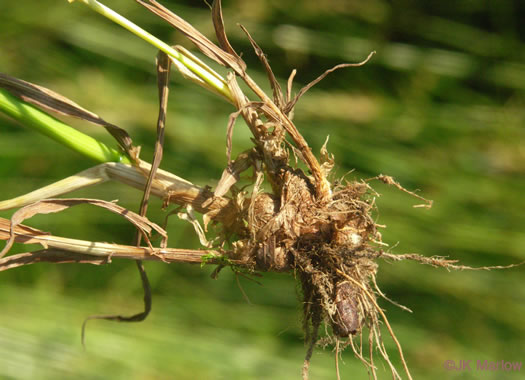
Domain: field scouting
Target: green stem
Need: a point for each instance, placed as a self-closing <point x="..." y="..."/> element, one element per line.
<point x="46" y="124"/>
<point x="206" y="74"/>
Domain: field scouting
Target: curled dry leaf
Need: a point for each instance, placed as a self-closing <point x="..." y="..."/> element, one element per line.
<point x="51" y="255"/>
<point x="189" y="216"/>
<point x="229" y="134"/>
<point x="48" y="206"/>
<point x="231" y="174"/>
<point x="327" y="159"/>
<point x="276" y="87"/>
<point x="220" y="31"/>
<point x="51" y="101"/>
<point x="244" y="106"/>
<point x="163" y="76"/>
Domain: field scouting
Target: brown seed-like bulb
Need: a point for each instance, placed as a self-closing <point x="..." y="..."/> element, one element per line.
<point x="346" y="321"/>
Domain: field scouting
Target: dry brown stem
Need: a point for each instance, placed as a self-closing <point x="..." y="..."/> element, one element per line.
<point x="59" y="256"/>
<point x="63" y="250"/>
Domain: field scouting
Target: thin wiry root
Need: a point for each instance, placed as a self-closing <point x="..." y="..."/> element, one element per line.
<point x="337" y="359"/>
<point x="378" y="290"/>
<point x="385" y="319"/>
<point x="441" y="262"/>
<point x="382" y="350"/>
<point x="359" y="354"/>
<point x="311" y="344"/>
<point x="386" y="179"/>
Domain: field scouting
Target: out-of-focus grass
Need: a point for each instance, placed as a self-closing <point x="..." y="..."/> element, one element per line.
<point x="440" y="107"/>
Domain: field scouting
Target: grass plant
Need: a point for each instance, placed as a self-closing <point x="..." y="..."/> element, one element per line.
<point x="301" y="222"/>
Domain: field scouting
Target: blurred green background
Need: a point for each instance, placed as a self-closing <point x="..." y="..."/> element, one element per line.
<point x="440" y="108"/>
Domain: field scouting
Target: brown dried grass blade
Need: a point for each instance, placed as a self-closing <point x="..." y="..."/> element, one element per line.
<point x="51" y="101"/>
<point x="207" y="47"/>
<point x="229" y="133"/>
<point x="163" y="75"/>
<point x="56" y="205"/>
<point x="231" y="174"/>
<point x="290" y="105"/>
<point x="244" y="105"/>
<point x="115" y="251"/>
<point x="62" y="256"/>
<point x="276" y="87"/>
<point x="244" y="110"/>
<point x="23" y="234"/>
<point x="220" y="31"/>
<point x="28" y="235"/>
<point x="66" y="250"/>
<point x="51" y="255"/>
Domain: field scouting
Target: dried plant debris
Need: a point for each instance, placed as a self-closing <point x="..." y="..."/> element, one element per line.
<point x="47" y="206"/>
<point x="51" y="101"/>
<point x="322" y="233"/>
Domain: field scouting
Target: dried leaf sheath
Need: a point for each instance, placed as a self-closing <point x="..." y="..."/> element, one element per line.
<point x="165" y="185"/>
<point x="48" y="206"/>
<point x="64" y="250"/>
